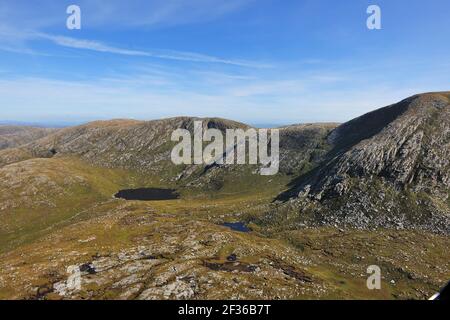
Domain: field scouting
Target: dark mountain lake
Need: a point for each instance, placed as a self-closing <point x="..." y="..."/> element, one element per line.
<point x="147" y="194"/>
<point x="237" y="226"/>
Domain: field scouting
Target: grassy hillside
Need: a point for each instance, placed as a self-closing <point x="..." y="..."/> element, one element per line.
<point x="178" y="250"/>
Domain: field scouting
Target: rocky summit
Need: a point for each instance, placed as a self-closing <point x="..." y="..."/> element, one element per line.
<point x="372" y="191"/>
<point x="388" y="168"/>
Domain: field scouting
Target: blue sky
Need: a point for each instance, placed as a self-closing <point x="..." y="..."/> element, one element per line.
<point x="257" y="61"/>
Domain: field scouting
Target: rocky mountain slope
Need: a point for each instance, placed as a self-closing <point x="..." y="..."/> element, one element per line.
<point x="14" y="136"/>
<point x="388" y="168"/>
<point x="145" y="146"/>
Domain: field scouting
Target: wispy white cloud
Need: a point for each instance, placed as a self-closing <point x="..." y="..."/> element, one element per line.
<point x="19" y="24"/>
<point x="19" y="50"/>
<point x="88" y="45"/>
<point x="161" y="54"/>
<point x="98" y="46"/>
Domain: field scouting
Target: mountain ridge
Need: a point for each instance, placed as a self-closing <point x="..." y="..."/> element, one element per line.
<point x="403" y="151"/>
<point x="12" y="136"/>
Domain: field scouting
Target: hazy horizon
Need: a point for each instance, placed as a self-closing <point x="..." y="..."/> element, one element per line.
<point x="68" y="123"/>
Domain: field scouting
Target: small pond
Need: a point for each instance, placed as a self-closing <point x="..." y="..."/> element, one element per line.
<point x="237" y="226"/>
<point x="147" y="194"/>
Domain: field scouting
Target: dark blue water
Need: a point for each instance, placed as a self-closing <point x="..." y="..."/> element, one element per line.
<point x="237" y="226"/>
<point x="147" y="194"/>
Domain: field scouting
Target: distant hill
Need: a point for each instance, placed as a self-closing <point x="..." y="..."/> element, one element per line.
<point x="390" y="168"/>
<point x="145" y="146"/>
<point x="14" y="136"/>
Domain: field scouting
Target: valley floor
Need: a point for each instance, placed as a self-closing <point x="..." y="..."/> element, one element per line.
<point x="177" y="249"/>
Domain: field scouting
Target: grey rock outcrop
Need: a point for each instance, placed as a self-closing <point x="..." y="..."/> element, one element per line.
<point x="388" y="168"/>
